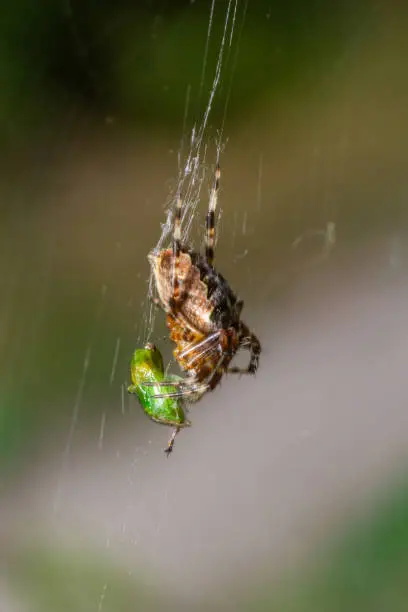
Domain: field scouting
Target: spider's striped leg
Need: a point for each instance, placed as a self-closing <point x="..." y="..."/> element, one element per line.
<point x="206" y="356"/>
<point x="176" y="253"/>
<point x="251" y="342"/>
<point x="201" y="348"/>
<point x="210" y="219"/>
<point x="192" y="389"/>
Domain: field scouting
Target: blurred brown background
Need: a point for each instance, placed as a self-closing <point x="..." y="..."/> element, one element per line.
<point x="288" y="492"/>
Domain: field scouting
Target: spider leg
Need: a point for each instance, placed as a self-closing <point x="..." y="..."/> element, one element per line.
<point x="210" y="219"/>
<point x="239" y="370"/>
<point x="207" y="346"/>
<point x="198" y="390"/>
<point x="251" y="342"/>
<point x="176" y="251"/>
<point x="191" y="387"/>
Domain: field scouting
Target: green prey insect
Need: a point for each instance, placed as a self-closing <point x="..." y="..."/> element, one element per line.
<point x="161" y="403"/>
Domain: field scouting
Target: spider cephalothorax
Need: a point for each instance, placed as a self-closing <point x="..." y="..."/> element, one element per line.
<point x="203" y="313"/>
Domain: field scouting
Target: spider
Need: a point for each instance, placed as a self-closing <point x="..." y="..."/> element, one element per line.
<point x="203" y="314"/>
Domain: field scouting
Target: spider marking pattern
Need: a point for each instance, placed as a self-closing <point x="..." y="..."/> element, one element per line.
<point x="203" y="314"/>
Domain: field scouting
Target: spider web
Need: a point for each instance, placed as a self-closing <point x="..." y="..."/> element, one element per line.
<point x="193" y="174"/>
<point x="193" y="171"/>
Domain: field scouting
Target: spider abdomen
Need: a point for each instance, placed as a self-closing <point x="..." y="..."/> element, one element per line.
<point x="205" y="299"/>
<point x="202" y="355"/>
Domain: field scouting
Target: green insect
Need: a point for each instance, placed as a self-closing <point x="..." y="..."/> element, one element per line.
<point x="160" y="403"/>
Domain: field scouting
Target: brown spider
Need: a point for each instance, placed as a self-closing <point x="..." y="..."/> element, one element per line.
<point x="203" y="313"/>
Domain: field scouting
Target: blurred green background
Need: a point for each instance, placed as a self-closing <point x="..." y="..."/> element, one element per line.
<point x="97" y="104"/>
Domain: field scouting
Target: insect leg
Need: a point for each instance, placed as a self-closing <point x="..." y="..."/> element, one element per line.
<point x="210" y="219"/>
<point x="201" y="348"/>
<point x="191" y="387"/>
<point x="181" y="389"/>
<point x="193" y="392"/>
<point x="250" y="341"/>
<point x="164" y="383"/>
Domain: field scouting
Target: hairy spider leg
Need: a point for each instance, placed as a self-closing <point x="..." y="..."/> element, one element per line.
<point x="176" y="250"/>
<point x="210" y="218"/>
<point x="249" y="341"/>
<point x="190" y="386"/>
<point x="170" y="443"/>
<point x="204" y="344"/>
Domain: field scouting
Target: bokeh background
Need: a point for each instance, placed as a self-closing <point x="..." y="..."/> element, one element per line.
<point x="289" y="492"/>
